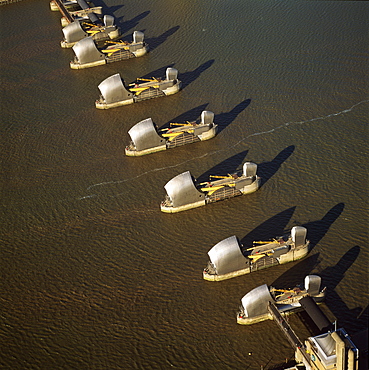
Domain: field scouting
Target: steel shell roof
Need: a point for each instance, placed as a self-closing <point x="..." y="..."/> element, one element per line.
<point x="144" y="135"/>
<point x="181" y="190"/>
<point x="255" y="302"/>
<point x="113" y="89"/>
<point x="226" y="256"/>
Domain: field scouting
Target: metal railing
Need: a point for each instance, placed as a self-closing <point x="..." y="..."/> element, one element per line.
<point x="264" y="263"/>
<point x="223" y="193"/>
<point x="119" y="55"/>
<point x="185" y="138"/>
<point x="149" y="94"/>
<point x="287" y="330"/>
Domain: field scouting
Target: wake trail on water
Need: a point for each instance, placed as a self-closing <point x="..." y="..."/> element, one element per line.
<point x="283" y="125"/>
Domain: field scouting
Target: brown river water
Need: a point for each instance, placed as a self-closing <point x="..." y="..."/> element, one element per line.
<point x="93" y="275"/>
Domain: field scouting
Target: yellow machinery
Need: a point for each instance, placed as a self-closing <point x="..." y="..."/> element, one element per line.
<point x="173" y="133"/>
<point x="267" y="252"/>
<point x="137" y="89"/>
<point x="285" y="291"/>
<point x="122" y="46"/>
<point x="211" y="188"/>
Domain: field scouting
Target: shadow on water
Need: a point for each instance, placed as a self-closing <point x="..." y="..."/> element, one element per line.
<point x="317" y="229"/>
<point x="189" y="77"/>
<point x="267" y="169"/>
<point x="191" y="115"/>
<point x="334" y="274"/>
<point x="154" y="42"/>
<point x="225" y="119"/>
<point x="276" y="226"/>
<point x="109" y="10"/>
<point x="351" y="319"/>
<point x="160" y="72"/>
<point x="222" y="120"/>
<point x="229" y="165"/>
<point x="269" y="229"/>
<point x="125" y="26"/>
<point x="296" y="274"/>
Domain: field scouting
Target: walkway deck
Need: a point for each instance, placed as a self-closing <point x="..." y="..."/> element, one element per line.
<point x="287" y="330"/>
<point x="64" y="11"/>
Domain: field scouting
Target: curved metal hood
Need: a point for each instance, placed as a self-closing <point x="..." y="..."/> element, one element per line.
<point x="87" y="52"/>
<point x="255" y="302"/>
<point x="181" y="190"/>
<point x="113" y="90"/>
<point x="226" y="256"/>
<point x="145" y="136"/>
<point x="74" y="32"/>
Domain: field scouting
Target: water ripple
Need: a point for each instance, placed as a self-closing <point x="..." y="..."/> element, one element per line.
<point x="347" y="110"/>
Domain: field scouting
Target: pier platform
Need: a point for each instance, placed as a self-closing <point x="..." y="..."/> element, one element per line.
<point x="291" y="336"/>
<point x="70" y="13"/>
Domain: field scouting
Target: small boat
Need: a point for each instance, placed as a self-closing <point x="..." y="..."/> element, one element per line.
<point x="88" y="54"/>
<point x="254" y="306"/>
<point x="146" y="139"/>
<point x="183" y="193"/>
<point x="98" y="31"/>
<point x="229" y="258"/>
<point x="114" y="93"/>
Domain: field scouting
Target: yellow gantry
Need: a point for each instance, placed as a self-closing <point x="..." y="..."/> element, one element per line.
<point x="93" y="28"/>
<point x="284" y="291"/>
<point x="211" y="188"/>
<point x="118" y="42"/>
<point x="222" y="177"/>
<point x="269" y="252"/>
<point x="181" y="124"/>
<point x="256" y="257"/>
<point x="93" y="32"/>
<point x="173" y="134"/>
<point x="124" y="46"/>
<point x="268" y="242"/>
<point x="137" y="89"/>
<point x="110" y="51"/>
<point x="153" y="79"/>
